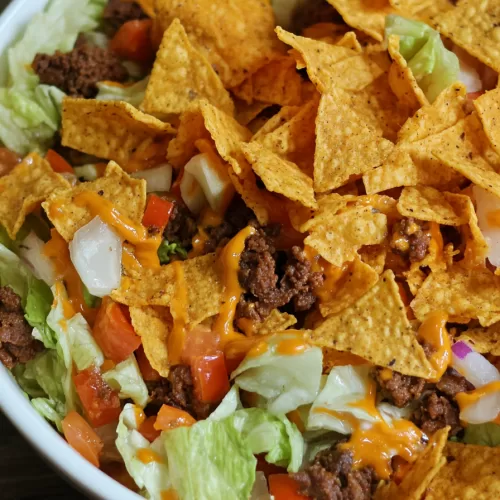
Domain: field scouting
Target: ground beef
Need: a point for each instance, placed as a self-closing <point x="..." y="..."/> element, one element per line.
<point x="452" y="383"/>
<point x="16" y="342"/>
<point x="410" y="238"/>
<point x="78" y="72"/>
<point x="177" y="390"/>
<point x="118" y="12"/>
<point x="181" y="227"/>
<point x="399" y="389"/>
<point x="330" y="477"/>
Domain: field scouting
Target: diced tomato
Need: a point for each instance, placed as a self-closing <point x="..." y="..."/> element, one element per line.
<point x="148" y="372"/>
<point x="157" y="212"/>
<point x="58" y="163"/>
<point x="133" y="41"/>
<point x="8" y="160"/>
<point x="210" y="378"/>
<point x="101" y="403"/>
<point x="268" y="469"/>
<point x="170" y="418"/>
<point x="200" y="341"/>
<point x="474" y="95"/>
<point x="147" y="429"/>
<point x="113" y="331"/>
<point x="284" y="487"/>
<point x="80" y="436"/>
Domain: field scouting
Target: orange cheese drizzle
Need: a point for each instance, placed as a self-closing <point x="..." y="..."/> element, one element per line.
<point x="493" y="218"/>
<point x="178" y="308"/>
<point x="146" y="456"/>
<point x="465" y="399"/>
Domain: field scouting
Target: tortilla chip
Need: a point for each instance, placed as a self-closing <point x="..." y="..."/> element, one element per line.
<point x="181" y="75"/>
<point x="464" y="294"/>
<point x="374" y="256"/>
<point x="245" y="113"/>
<point x="422" y="472"/>
<point x="410" y="6"/>
<point x="471" y="472"/>
<point x="402" y="81"/>
<point x="153" y="324"/>
<point x="236" y="37"/>
<point x="345" y="145"/>
<point x="376" y="328"/>
<point x="429" y="204"/>
<point x="365" y="15"/>
<point x="280" y="176"/>
<point x="488" y="109"/>
<point x="128" y="196"/>
<point x="484" y="340"/>
<point x="24" y="188"/>
<point x="350" y="41"/>
<point x="285" y="114"/>
<point x="113" y="130"/>
<point x="276" y="321"/>
<point x="333" y="66"/>
<point x="338" y="237"/>
<point x="346" y="288"/>
<point x="474" y="27"/>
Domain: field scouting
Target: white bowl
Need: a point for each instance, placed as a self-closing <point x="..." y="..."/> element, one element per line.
<point x="12" y="401"/>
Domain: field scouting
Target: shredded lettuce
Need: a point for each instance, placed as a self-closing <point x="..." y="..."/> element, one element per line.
<point x="228" y="405"/>
<point x="126" y="378"/>
<point x="167" y="250"/>
<point x="483" y="434"/>
<point x="285" y="381"/>
<point x="133" y="94"/>
<point x="433" y="65"/>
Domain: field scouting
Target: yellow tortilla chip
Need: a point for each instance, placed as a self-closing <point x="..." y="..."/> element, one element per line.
<point x="376" y="328"/>
<point x="24" y="188"/>
<point x="182" y="75"/>
<point x="345" y="145"/>
<point x="402" y="81"/>
<point x="332" y="66"/>
<point x="285" y="114"/>
<point x="422" y="472"/>
<point x="350" y="41"/>
<point x="153" y="325"/>
<point x="484" y="340"/>
<point x="276" y="321"/>
<point x="463" y="293"/>
<point x="236" y="37"/>
<point x="471" y="472"/>
<point x="410" y="6"/>
<point x="128" y="196"/>
<point x="374" y="256"/>
<point x="474" y="27"/>
<point x="338" y="237"/>
<point x="245" y="113"/>
<point x="488" y="109"/>
<point x="113" y="130"/>
<point x="347" y="288"/>
<point x="280" y="176"/>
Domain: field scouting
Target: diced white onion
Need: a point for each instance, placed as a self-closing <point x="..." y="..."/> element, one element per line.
<point x="486" y="204"/>
<point x="216" y="184"/>
<point x="483" y="410"/>
<point x="86" y="172"/>
<point x="31" y="251"/>
<point x="158" y="179"/>
<point x="469" y="74"/>
<point x="96" y="253"/>
<point x="476" y="369"/>
<point x="260" y="490"/>
<point x="192" y="193"/>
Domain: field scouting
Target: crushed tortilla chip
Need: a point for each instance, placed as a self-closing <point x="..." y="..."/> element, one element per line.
<point x="280" y="176"/>
<point x="471" y="472"/>
<point x="246" y="113"/>
<point x="484" y="340"/>
<point x="276" y="321"/>
<point x="474" y="27"/>
<point x="153" y="324"/>
<point x="333" y="66"/>
<point x="410" y="6"/>
<point x="236" y="37"/>
<point x="113" y="130"/>
<point x="344" y="288"/>
<point x="285" y="114"/>
<point x="376" y="328"/>
<point x="24" y="188"/>
<point x="488" y="109"/>
<point x="374" y="256"/>
<point x="128" y="196"/>
<point x="463" y="293"/>
<point x="422" y="472"/>
<point x="402" y="81"/>
<point x="181" y="75"/>
<point x="345" y="145"/>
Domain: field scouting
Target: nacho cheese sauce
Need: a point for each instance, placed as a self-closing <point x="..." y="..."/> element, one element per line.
<point x="466" y="399"/>
<point x="178" y="308"/>
<point x="146" y="456"/>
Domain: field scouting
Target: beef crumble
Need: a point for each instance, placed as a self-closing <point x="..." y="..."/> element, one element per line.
<point x="177" y="390"/>
<point x="118" y="12"/>
<point x="17" y="345"/>
<point x="181" y="227"/>
<point x="400" y="389"/>
<point x="77" y="72"/>
<point x="410" y="238"/>
<point x="330" y="477"/>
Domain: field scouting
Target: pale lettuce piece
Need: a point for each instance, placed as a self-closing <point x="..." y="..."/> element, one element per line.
<point x="152" y="478"/>
<point x="390" y="412"/>
<point x="228" y="405"/>
<point x="133" y="94"/>
<point x="286" y="381"/>
<point x="482" y="434"/>
<point x="433" y="65"/>
<point x="126" y="378"/>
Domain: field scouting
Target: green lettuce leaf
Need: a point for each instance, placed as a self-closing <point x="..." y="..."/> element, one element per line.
<point x="483" y="434"/>
<point x="133" y="94"/>
<point x="285" y="381"/>
<point x="433" y="65"/>
<point x="126" y="378"/>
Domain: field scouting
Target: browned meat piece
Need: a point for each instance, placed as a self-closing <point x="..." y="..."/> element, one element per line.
<point x="399" y="389"/>
<point x="330" y="477"/>
<point x="181" y="227"/>
<point x="177" y="390"/>
<point x="16" y="342"/>
<point x="78" y="72"/>
<point x="452" y="383"/>
<point x="118" y="12"/>
<point x="409" y="237"/>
